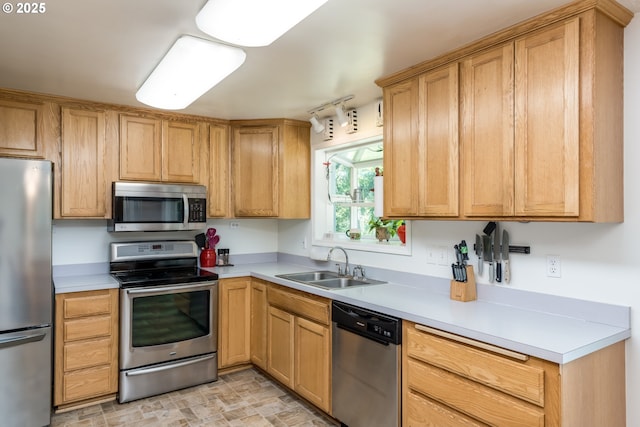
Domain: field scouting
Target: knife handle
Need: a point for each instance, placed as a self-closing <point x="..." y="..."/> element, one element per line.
<point x="499" y="272"/>
<point x="491" y="272"/>
<point x="507" y="275"/>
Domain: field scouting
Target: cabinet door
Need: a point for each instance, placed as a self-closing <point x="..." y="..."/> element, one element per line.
<point x="180" y="152"/>
<point x="312" y="362"/>
<point x="234" y="321"/>
<point x="401" y="162"/>
<point x="140" y="148"/>
<point x="219" y="170"/>
<point x="22" y="128"/>
<point x="280" y="335"/>
<point x="547" y="123"/>
<point x="255" y="171"/>
<point x="294" y="172"/>
<point x="259" y="323"/>
<point x="487" y="132"/>
<point x="438" y="147"/>
<point x="83" y="185"/>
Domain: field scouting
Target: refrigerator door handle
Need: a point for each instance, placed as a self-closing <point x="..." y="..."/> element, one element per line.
<point x="12" y="342"/>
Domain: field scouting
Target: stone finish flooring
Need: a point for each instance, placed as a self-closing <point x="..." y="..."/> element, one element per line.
<point x="244" y="398"/>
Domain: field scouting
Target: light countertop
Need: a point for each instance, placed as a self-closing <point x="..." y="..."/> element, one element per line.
<point x="554" y="336"/>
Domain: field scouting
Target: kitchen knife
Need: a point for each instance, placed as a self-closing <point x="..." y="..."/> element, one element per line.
<point x="496" y="252"/>
<point x="479" y="253"/>
<point x="505" y="255"/>
<point x="488" y="254"/>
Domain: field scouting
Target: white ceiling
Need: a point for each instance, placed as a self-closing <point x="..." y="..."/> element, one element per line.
<point x="103" y="50"/>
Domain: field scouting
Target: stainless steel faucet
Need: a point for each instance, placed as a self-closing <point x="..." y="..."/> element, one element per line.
<point x="346" y="260"/>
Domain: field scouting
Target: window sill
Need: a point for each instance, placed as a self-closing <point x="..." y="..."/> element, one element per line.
<point x="394" y="247"/>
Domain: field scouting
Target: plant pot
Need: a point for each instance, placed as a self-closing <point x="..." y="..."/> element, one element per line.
<point x="382" y="233"/>
<point x="402" y="233"/>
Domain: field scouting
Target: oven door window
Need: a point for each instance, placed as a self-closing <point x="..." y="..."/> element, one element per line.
<point x="170" y="318"/>
<point x="149" y="209"/>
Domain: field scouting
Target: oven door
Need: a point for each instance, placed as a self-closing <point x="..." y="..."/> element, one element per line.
<point x="164" y="323"/>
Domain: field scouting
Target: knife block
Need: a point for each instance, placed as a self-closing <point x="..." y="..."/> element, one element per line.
<point x="464" y="291"/>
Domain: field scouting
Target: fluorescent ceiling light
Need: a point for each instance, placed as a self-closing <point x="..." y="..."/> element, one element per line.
<point x="253" y="23"/>
<point x="190" y="68"/>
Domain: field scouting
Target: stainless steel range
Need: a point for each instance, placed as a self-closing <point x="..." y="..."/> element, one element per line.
<point x="168" y="317"/>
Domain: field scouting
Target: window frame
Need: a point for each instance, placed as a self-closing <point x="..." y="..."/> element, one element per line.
<point x="321" y="208"/>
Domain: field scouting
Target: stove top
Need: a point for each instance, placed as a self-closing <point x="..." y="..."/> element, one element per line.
<point x="157" y="263"/>
<point x="144" y="278"/>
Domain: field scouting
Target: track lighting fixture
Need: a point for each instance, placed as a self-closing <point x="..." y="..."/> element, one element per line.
<point x="338" y="105"/>
<point x="315" y="122"/>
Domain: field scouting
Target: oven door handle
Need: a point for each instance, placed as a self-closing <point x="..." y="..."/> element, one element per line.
<point x="169" y="366"/>
<point x="169" y="288"/>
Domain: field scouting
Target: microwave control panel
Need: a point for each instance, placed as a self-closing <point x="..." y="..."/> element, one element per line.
<point x="197" y="210"/>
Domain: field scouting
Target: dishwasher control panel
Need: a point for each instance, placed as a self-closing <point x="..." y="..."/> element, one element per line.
<point x="370" y="324"/>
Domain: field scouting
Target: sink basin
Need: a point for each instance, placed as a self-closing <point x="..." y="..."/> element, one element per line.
<point x="328" y="279"/>
<point x="310" y="276"/>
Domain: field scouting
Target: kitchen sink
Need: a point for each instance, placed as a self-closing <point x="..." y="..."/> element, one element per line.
<point x="328" y="279"/>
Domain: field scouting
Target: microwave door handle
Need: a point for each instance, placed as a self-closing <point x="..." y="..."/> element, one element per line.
<point x="185" y="199"/>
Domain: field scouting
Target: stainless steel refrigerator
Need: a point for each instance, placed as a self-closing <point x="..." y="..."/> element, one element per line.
<point x="26" y="292"/>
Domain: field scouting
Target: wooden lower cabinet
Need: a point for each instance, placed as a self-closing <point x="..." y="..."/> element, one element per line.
<point x="86" y="347"/>
<point x="299" y="343"/>
<point x="234" y="321"/>
<point x="259" y="323"/>
<point x="454" y="381"/>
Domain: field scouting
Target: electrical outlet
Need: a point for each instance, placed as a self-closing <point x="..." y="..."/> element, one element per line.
<point x="234" y="224"/>
<point x="432" y="256"/>
<point x="443" y="256"/>
<point x="553" y="266"/>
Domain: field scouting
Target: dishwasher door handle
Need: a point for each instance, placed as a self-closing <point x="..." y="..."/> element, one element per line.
<point x="374" y="339"/>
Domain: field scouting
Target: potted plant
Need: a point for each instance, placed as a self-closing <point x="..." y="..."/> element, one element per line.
<point x="385" y="228"/>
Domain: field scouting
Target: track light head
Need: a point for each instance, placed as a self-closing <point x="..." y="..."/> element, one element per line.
<point x="315" y="122"/>
<point x="342" y="117"/>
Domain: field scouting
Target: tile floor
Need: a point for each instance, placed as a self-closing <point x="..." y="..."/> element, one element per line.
<point x="245" y="398"/>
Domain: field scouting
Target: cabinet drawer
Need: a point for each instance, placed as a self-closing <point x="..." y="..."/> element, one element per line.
<point x="299" y="304"/>
<point x="91" y="304"/>
<point x="510" y="376"/>
<point x="90" y="327"/>
<point x="78" y="355"/>
<point x="423" y="412"/>
<point x="88" y="383"/>
<point x="471" y="398"/>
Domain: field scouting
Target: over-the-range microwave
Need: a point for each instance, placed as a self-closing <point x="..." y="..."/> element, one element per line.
<point x="141" y="206"/>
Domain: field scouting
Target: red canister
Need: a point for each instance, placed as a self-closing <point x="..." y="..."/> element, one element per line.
<point x="208" y="258"/>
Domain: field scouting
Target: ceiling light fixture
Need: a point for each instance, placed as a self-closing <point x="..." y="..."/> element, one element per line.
<point x="190" y="68"/>
<point x="315" y="122"/>
<point x="338" y="104"/>
<point x="253" y="23"/>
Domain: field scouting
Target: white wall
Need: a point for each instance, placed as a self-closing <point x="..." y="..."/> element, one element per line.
<point x="598" y="261"/>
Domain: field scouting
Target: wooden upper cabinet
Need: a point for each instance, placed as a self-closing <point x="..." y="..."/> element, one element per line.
<point x="271" y="168"/>
<point x="547" y="131"/>
<point x="541" y="119"/>
<point x="255" y="171"/>
<point x="487" y="133"/>
<point x="219" y="182"/>
<point x="159" y="150"/>
<point x="21" y="128"/>
<point x="401" y="162"/>
<point x="421" y="145"/>
<point x="84" y="164"/>
<point x="180" y="152"/>
<point x="140" y="148"/>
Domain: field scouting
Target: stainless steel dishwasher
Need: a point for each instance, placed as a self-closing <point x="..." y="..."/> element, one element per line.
<point x="365" y="379"/>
